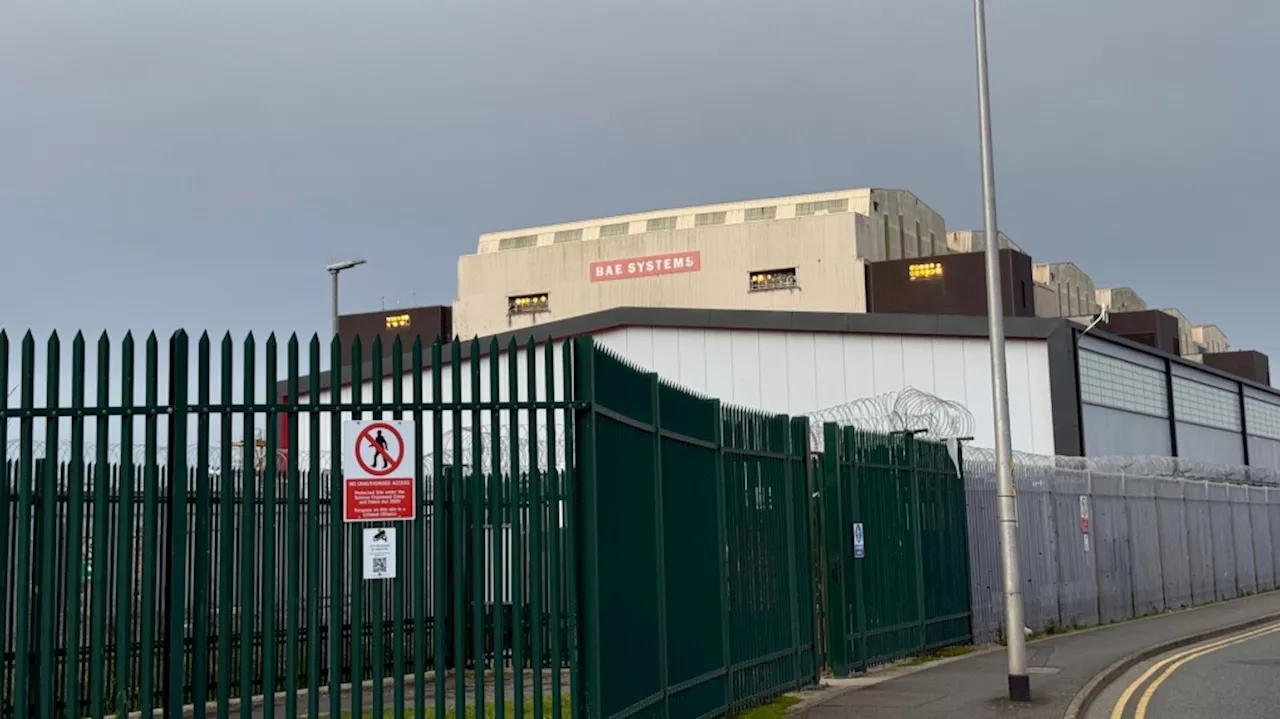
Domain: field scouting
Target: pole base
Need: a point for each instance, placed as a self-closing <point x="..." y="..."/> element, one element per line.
<point x="1019" y="688"/>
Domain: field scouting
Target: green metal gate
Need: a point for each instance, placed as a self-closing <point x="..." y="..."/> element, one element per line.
<point x="212" y="566"/>
<point x="896" y="579"/>
<point x="696" y="577"/>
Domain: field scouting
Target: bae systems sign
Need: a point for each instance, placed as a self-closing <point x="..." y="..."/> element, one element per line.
<point x="649" y="266"/>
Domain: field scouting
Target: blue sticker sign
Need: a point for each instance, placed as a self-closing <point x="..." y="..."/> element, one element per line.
<point x="859" y="546"/>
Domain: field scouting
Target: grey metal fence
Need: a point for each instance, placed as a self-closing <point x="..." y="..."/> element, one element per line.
<point x="1107" y="539"/>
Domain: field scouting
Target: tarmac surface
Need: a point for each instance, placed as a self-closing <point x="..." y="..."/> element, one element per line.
<point x="975" y="687"/>
<point x="1232" y="677"/>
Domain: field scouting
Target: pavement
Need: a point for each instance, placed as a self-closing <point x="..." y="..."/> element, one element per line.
<point x="1233" y="677"/>
<point x="1061" y="667"/>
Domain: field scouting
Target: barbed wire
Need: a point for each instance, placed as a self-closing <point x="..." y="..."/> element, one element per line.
<point x="897" y="411"/>
<point x="1034" y="467"/>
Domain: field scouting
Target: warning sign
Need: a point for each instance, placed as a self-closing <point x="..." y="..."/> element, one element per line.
<point x="377" y="484"/>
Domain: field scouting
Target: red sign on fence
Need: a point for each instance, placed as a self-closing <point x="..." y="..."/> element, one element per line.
<point x="633" y="267"/>
<point x="376" y="484"/>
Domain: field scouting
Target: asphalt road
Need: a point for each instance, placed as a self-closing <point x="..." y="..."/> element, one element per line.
<point x="1235" y="677"/>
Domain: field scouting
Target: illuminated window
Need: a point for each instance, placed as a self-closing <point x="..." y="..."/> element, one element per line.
<point x="773" y="280"/>
<point x="924" y="270"/>
<point x="527" y="304"/>
<point x="757" y="214"/>
<point x="395" y="322"/>
<point x="660" y="223"/>
<point x="516" y="243"/>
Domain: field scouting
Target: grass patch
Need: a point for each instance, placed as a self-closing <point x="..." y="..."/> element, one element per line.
<point x="509" y="710"/>
<point x="943" y="653"/>
<point x="774" y="709"/>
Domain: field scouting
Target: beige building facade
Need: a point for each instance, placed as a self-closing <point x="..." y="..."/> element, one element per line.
<point x="1073" y="291"/>
<point x="975" y="241"/>
<point x="802" y="253"/>
<point x="1120" y="299"/>
<point x="1210" y="338"/>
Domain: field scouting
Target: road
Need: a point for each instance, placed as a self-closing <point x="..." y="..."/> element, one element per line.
<point x="1234" y="677"/>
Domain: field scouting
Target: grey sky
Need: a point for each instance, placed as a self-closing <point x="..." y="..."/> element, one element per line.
<point x="197" y="164"/>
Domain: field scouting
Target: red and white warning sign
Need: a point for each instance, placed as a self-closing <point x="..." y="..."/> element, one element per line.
<point x="378" y="484"/>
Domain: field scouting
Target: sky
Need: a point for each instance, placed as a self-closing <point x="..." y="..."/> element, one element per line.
<point x="196" y="164"/>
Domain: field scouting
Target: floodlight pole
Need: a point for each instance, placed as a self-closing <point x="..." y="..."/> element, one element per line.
<point x="1006" y="491"/>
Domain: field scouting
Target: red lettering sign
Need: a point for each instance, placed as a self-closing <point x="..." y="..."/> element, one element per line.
<point x="633" y="267"/>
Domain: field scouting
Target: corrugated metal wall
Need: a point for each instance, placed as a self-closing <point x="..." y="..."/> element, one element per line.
<point x="1101" y="543"/>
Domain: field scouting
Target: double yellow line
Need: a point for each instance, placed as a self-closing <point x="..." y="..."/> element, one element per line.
<point x="1165" y="668"/>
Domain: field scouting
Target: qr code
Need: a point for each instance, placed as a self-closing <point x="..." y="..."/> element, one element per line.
<point x="379" y="565"/>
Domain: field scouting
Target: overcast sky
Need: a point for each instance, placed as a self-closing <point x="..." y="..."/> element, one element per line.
<point x="197" y="164"/>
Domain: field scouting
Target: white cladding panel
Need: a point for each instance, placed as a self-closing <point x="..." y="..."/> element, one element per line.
<point x="785" y="372"/>
<point x="800" y="372"/>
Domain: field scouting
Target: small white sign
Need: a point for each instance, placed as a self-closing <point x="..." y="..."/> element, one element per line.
<point x="1086" y="544"/>
<point x="1084" y="506"/>
<point x="379" y="553"/>
<point x="859" y="546"/>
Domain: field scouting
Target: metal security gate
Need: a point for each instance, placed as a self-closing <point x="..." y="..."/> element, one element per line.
<point x="162" y="550"/>
<point x="897" y="573"/>
<point x="696" y="576"/>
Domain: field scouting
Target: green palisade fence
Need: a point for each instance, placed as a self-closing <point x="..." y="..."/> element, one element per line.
<point x="907" y="594"/>
<point x="588" y="540"/>
<point x="196" y="572"/>
<point x="696" y="577"/>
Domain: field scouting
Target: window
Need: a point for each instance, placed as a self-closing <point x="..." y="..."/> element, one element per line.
<point x="1209" y="406"/>
<point x="615" y="230"/>
<point x="527" y="304"/>
<point x="805" y="209"/>
<point x="933" y="244"/>
<point x="782" y="279"/>
<point x="1262" y="418"/>
<point x="902" y="236"/>
<point x="1110" y="382"/>
<point x="660" y="223"/>
<point x="568" y="236"/>
<point x="886" y="238"/>
<point x="395" y="322"/>
<point x="758" y="214"/>
<point x="920" y="252"/>
<point x="924" y="271"/>
<point x="709" y="218"/>
<point x="1023" y="284"/>
<point x="517" y="243"/>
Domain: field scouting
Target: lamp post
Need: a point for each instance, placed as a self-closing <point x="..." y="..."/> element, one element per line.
<point x="334" y="269"/>
<point x="1006" y="494"/>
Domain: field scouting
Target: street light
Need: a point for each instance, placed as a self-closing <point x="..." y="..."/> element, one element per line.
<point x="334" y="269"/>
<point x="1006" y="495"/>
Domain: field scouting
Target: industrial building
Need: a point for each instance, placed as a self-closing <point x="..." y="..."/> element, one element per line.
<point x="801" y="304"/>
<point x="801" y="253"/>
<point x="1070" y="393"/>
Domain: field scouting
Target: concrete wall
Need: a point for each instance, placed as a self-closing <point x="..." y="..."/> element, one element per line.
<point x="920" y="232"/>
<point x="1075" y="292"/>
<point x="1120" y="299"/>
<point x="822" y="249"/>
<point x="975" y="241"/>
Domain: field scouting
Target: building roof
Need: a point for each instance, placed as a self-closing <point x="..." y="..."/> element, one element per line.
<point x="1053" y="329"/>
<point x="687" y="210"/>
